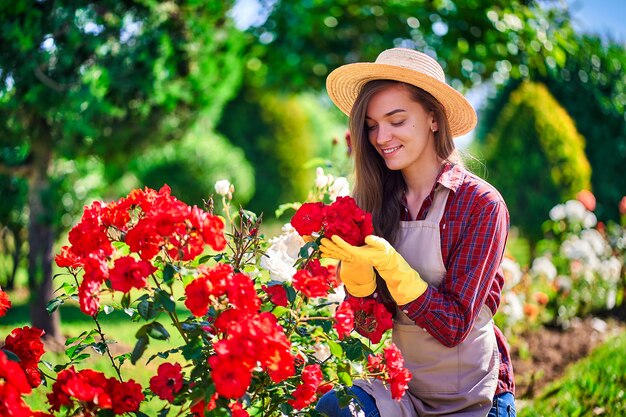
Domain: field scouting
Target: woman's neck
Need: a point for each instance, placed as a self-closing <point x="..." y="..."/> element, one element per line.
<point x="420" y="180"/>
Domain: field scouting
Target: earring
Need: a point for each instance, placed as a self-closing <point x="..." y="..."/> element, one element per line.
<point x="433" y="129"/>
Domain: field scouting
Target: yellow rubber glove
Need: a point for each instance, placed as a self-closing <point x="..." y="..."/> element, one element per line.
<point x="404" y="283"/>
<point x="359" y="278"/>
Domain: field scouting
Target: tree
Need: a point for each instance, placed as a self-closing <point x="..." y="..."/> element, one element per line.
<point x="301" y="42"/>
<point x="538" y="155"/>
<point x="104" y="78"/>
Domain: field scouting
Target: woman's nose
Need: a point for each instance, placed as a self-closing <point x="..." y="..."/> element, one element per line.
<point x="383" y="135"/>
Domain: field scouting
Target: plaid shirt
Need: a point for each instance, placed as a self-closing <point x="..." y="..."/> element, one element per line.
<point x="474" y="230"/>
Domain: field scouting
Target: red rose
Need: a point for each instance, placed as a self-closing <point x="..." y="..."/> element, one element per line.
<point x="198" y="292"/>
<point x="67" y="258"/>
<point x="213" y="232"/>
<point x="346" y="219"/>
<point x="399" y="383"/>
<point x="5" y="303"/>
<point x="126" y="396"/>
<point x="371" y="318"/>
<point x="241" y="293"/>
<point x="144" y="240"/>
<point x="277" y="294"/>
<point x="13" y="375"/>
<point x="344" y="320"/>
<point x="393" y="358"/>
<point x="375" y="363"/>
<point x="237" y="410"/>
<point x="168" y="381"/>
<point x="89" y="296"/>
<point x="128" y="273"/>
<point x="309" y="285"/>
<point x="302" y="396"/>
<point x="231" y="378"/>
<point x="308" y="218"/>
<point x="26" y="343"/>
<point x="326" y="273"/>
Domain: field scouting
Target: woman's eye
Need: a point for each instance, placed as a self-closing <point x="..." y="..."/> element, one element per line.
<point x="399" y="123"/>
<point x="372" y="127"/>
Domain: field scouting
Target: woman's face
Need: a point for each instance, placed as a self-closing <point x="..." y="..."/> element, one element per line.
<point x="400" y="129"/>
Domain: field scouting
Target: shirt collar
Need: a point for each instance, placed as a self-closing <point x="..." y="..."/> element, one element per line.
<point x="451" y="176"/>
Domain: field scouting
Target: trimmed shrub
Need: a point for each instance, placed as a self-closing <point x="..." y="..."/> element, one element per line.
<point x="276" y="134"/>
<point x="535" y="157"/>
<point x="192" y="166"/>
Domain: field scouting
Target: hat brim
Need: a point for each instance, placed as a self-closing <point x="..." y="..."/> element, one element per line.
<point x="344" y="84"/>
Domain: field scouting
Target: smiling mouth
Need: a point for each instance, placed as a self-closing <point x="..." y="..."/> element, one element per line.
<point x="390" y="150"/>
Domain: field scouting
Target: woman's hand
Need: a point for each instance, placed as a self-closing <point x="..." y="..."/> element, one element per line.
<point x="359" y="278"/>
<point x="404" y="283"/>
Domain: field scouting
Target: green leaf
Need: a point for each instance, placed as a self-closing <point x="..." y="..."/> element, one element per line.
<point x="108" y="309"/>
<point x="100" y="347"/>
<point x="53" y="305"/>
<point x="335" y="349"/>
<point x="353" y="349"/>
<point x="12" y="356"/>
<point x="279" y="311"/>
<point x="126" y="300"/>
<point x="286" y="206"/>
<point x="72" y="351"/>
<point x="168" y="274"/>
<point x="146" y="310"/>
<point x="163" y="299"/>
<point x="143" y="331"/>
<point x="157" y="331"/>
<point x="81" y="357"/>
<point x="304" y="250"/>
<point x="344" y="377"/>
<point x="139" y="349"/>
<point x="74" y="339"/>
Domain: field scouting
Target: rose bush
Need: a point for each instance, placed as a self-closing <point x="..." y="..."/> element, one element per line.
<point x="258" y="338"/>
<point x="579" y="270"/>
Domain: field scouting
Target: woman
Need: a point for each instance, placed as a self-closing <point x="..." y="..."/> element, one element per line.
<point x="441" y="233"/>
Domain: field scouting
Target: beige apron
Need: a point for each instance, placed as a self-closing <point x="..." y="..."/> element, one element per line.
<point x="459" y="381"/>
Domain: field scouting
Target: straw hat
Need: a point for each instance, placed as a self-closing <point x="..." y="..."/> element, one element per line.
<point x="409" y="66"/>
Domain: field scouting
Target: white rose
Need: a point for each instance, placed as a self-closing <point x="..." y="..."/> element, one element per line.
<point x="280" y="257"/>
<point x="512" y="273"/>
<point x="575" y="211"/>
<point x="590" y="220"/>
<point x="557" y="212"/>
<point x="321" y="179"/>
<point x="339" y="188"/>
<point x="222" y="187"/>
<point x="543" y="266"/>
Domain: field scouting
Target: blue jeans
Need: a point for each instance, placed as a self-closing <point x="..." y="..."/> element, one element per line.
<point x="503" y="405"/>
<point x="329" y="404"/>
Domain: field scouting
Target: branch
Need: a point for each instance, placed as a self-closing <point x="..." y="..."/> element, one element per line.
<point x="49" y="82"/>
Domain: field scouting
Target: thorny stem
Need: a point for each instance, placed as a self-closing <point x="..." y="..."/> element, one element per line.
<point x="101" y="333"/>
<point x="103" y="338"/>
<point x="172" y="314"/>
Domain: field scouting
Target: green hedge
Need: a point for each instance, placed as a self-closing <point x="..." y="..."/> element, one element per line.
<point x="535" y="157"/>
<point x="193" y="165"/>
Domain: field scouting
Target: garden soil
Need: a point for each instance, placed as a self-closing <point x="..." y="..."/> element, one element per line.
<point x="541" y="356"/>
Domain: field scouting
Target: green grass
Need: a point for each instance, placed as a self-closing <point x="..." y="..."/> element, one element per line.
<point x="593" y="386"/>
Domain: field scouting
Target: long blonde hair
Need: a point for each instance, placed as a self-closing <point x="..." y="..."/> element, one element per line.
<point x="378" y="189"/>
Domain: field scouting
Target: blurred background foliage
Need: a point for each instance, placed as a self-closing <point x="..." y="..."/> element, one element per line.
<point x="99" y="97"/>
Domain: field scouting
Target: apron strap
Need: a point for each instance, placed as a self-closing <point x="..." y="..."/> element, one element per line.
<point x="438" y="207"/>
